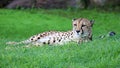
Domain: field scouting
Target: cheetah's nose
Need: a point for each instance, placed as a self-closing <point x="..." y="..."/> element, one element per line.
<point x="77" y="31"/>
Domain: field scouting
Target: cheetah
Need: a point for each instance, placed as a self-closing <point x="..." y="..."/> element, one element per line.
<point x="81" y="32"/>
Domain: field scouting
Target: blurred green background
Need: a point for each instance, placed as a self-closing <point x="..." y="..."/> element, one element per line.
<point x="79" y="4"/>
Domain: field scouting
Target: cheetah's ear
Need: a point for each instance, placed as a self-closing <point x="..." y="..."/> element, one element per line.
<point x="92" y="22"/>
<point x="73" y="19"/>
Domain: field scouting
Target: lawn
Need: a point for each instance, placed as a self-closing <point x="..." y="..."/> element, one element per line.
<point x="18" y="25"/>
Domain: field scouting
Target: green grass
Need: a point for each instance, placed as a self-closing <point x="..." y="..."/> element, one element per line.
<point x="17" y="25"/>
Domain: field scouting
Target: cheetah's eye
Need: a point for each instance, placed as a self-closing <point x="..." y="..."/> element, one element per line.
<point x="75" y="24"/>
<point x="83" y="25"/>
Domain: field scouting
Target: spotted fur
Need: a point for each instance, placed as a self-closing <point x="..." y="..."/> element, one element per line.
<point x="82" y="31"/>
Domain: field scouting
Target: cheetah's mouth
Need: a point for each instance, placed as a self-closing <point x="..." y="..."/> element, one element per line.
<point x="81" y="35"/>
<point x="84" y="34"/>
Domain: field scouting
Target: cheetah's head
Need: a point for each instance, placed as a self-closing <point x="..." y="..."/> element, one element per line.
<point x="82" y="27"/>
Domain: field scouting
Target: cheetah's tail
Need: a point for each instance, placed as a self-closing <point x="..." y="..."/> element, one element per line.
<point x="17" y="43"/>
